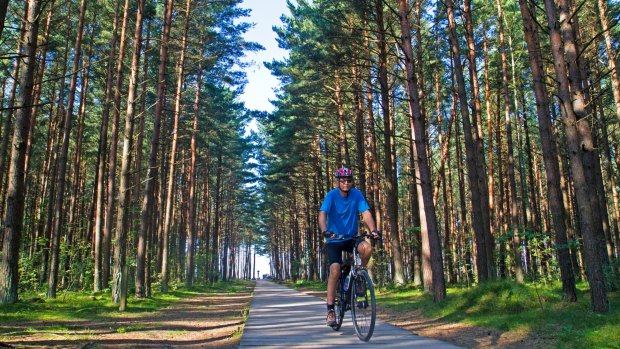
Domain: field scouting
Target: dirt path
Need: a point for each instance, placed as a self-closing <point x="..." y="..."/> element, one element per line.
<point x="206" y="321"/>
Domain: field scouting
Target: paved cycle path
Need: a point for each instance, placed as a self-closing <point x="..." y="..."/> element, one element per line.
<point x="281" y="317"/>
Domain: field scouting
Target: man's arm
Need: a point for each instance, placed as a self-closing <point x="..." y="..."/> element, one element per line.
<point x="322" y="221"/>
<point x="370" y="222"/>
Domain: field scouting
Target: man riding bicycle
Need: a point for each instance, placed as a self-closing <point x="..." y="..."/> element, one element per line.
<point x="338" y="216"/>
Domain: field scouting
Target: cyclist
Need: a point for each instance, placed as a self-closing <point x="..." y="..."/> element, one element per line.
<point x="338" y="216"/>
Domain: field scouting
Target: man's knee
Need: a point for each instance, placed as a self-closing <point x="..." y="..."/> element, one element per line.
<point x="334" y="269"/>
<point x="364" y="249"/>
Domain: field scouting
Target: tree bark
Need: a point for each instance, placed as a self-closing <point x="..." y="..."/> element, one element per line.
<point x="191" y="226"/>
<point x="514" y="209"/>
<point x="148" y="207"/>
<point x="13" y="223"/>
<point x="579" y="89"/>
<point x="101" y="282"/>
<point x="142" y="243"/>
<point x="343" y="145"/>
<point x="598" y="294"/>
<point x="121" y="277"/>
<point x="214" y="267"/>
<point x="358" y="107"/>
<point x="433" y="274"/>
<point x="476" y="124"/>
<point x="62" y="160"/>
<point x="390" y="177"/>
<point x="8" y="121"/>
<point x="481" y="259"/>
<point x="113" y="150"/>
<point x="609" y="171"/>
<point x="487" y="99"/>
<point x="611" y="55"/>
<point x="173" y="151"/>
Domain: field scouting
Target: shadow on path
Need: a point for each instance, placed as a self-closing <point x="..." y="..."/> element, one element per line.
<point x="284" y="318"/>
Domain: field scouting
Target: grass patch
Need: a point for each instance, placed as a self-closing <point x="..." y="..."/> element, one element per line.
<point x="509" y="306"/>
<point x="99" y="305"/>
<point x="305" y="285"/>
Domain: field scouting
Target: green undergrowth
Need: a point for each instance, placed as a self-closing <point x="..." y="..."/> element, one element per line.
<point x="531" y="308"/>
<point x="305" y="285"/>
<point x="99" y="306"/>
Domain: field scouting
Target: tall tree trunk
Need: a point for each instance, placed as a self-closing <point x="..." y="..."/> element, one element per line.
<point x="489" y="114"/>
<point x="433" y="274"/>
<point x="206" y="204"/>
<point x="45" y="223"/>
<point x="476" y="124"/>
<point x="390" y="176"/>
<point x="214" y="267"/>
<point x="13" y="223"/>
<point x="191" y="226"/>
<point x="343" y="145"/>
<point x="514" y="208"/>
<point x="148" y="204"/>
<point x="142" y="243"/>
<point x="471" y="155"/>
<point x="598" y="294"/>
<point x="113" y="150"/>
<point x="173" y="151"/>
<point x="9" y="118"/>
<point x="358" y="107"/>
<point x="77" y="153"/>
<point x="101" y="282"/>
<point x="609" y="171"/>
<point x="62" y="160"/>
<point x="611" y="55"/>
<point x="121" y="277"/>
<point x="579" y="89"/>
<point x="372" y="157"/>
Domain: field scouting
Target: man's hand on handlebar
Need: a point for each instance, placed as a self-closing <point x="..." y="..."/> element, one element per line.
<point x="376" y="235"/>
<point x="329" y="234"/>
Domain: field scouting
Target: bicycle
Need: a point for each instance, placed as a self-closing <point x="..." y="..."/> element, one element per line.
<point x="358" y="296"/>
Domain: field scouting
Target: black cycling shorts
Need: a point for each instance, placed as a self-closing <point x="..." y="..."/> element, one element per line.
<point x="334" y="250"/>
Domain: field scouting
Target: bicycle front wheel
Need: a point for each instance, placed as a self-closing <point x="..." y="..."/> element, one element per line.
<point x="363" y="306"/>
<point x="339" y="307"/>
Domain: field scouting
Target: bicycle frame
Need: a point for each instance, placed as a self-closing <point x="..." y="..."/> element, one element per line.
<point x="347" y="300"/>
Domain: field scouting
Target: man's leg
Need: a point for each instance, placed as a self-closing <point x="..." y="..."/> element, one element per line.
<point x="332" y="282"/>
<point x="365" y="251"/>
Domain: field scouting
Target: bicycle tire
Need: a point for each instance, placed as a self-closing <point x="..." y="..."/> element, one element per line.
<point x="363" y="306"/>
<point x="339" y="307"/>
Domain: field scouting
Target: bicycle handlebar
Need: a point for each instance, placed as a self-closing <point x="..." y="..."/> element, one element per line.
<point x="329" y="234"/>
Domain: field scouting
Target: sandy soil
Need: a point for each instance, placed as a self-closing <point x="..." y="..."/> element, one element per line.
<point x="206" y="321"/>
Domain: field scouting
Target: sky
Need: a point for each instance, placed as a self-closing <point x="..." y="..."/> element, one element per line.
<point x="261" y="84"/>
<point x="265" y="14"/>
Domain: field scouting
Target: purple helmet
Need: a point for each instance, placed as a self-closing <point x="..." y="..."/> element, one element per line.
<point x="343" y="172"/>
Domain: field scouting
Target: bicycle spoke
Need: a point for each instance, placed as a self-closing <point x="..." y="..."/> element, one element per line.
<point x="339" y="307"/>
<point x="363" y="306"/>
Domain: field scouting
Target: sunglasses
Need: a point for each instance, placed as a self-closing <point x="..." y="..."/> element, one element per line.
<point x="345" y="180"/>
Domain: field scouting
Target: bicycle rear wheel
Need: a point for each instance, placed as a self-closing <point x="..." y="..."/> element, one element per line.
<point x="339" y="308"/>
<point x="363" y="306"/>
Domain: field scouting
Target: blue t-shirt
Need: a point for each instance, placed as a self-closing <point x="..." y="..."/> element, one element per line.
<point x="343" y="213"/>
